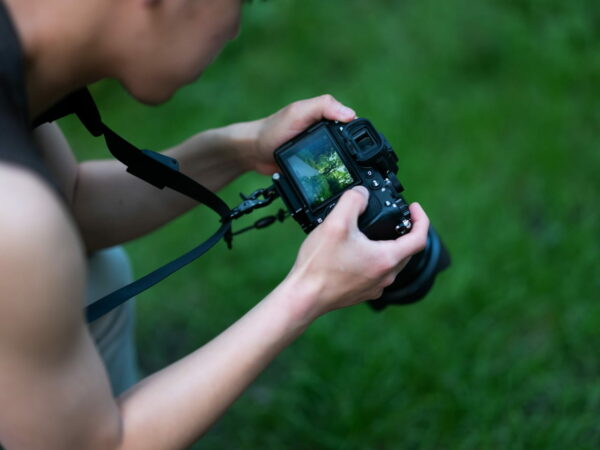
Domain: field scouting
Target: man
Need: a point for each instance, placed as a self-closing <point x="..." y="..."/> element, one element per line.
<point x="54" y="389"/>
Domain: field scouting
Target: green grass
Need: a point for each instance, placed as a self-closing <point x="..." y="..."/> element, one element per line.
<point x="493" y="109"/>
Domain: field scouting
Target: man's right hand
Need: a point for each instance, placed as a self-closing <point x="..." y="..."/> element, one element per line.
<point x="339" y="266"/>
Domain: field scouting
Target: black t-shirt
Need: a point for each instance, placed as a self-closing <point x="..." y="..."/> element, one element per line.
<point x="16" y="141"/>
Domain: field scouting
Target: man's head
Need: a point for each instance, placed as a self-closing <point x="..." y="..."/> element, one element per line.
<point x="160" y="45"/>
<point x="152" y="46"/>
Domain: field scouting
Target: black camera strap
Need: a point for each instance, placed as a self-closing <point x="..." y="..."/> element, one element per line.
<point x="158" y="170"/>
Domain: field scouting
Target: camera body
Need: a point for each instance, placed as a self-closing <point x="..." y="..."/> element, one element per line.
<point x="325" y="160"/>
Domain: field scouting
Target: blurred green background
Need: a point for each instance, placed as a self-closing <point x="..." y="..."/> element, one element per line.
<point x="494" y="111"/>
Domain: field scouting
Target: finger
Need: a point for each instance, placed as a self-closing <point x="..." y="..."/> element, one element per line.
<point x="350" y="205"/>
<point x="334" y="110"/>
<point x="309" y="111"/>
<point x="415" y="241"/>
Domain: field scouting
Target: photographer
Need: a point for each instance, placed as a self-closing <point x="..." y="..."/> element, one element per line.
<point x="54" y="389"/>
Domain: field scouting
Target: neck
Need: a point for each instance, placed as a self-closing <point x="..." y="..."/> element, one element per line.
<point x="60" y="46"/>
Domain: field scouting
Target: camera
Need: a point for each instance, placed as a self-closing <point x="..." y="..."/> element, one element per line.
<point x="321" y="163"/>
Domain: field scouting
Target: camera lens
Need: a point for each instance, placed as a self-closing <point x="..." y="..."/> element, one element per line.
<point x="416" y="279"/>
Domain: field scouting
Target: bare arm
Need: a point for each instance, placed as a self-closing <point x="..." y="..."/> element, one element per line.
<point x="55" y="392"/>
<point x="110" y="206"/>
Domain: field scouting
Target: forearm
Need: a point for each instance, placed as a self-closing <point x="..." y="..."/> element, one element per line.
<point x="174" y="407"/>
<point x="112" y="206"/>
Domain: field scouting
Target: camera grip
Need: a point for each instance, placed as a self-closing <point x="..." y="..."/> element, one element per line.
<point x="384" y="220"/>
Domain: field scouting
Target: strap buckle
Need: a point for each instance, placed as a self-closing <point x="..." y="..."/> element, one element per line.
<point x="258" y="199"/>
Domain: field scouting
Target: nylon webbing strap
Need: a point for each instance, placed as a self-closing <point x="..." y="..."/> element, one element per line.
<point x="120" y="296"/>
<point x="161" y="171"/>
<point x="154" y="168"/>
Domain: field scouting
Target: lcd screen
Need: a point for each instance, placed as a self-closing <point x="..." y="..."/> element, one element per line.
<point x="318" y="168"/>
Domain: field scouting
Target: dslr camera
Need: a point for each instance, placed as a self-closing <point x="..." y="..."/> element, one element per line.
<point x="325" y="160"/>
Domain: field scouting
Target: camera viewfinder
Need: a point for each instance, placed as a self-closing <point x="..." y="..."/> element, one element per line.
<point x="364" y="140"/>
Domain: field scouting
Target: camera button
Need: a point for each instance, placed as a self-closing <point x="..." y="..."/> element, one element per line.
<point x="374" y="184"/>
<point x="369" y="174"/>
<point x="388" y="203"/>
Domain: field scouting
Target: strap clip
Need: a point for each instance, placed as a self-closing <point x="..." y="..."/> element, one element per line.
<point x="258" y="199"/>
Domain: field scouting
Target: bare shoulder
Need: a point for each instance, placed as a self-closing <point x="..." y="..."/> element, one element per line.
<point x="55" y="391"/>
<point x="41" y="261"/>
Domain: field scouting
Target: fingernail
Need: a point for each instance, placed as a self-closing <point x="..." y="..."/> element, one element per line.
<point x="346" y="112"/>
<point x="363" y="190"/>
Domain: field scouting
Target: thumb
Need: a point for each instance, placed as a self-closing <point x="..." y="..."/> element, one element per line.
<point x="351" y="204"/>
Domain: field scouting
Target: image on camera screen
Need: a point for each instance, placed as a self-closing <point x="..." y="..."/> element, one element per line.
<point x="317" y="166"/>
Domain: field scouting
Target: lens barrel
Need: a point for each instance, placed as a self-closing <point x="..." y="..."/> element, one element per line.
<point x="417" y="278"/>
